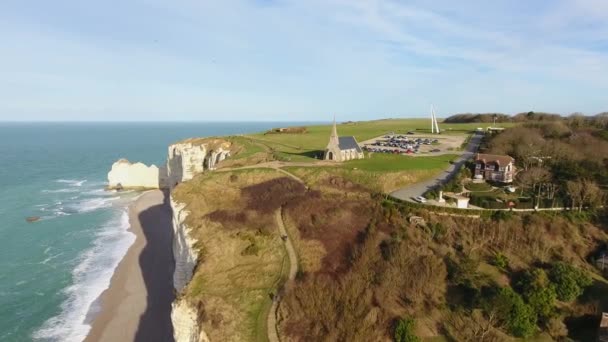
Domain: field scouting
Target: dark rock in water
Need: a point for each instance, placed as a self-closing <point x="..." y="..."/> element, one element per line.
<point x="32" y="218"/>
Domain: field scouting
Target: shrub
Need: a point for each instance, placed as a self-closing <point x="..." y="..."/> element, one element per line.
<point x="463" y="272"/>
<point x="252" y="249"/>
<point x="516" y="316"/>
<point x="502" y="215"/>
<point x="539" y="292"/>
<point x="570" y="282"/>
<point x="501" y="261"/>
<point x="404" y="331"/>
<point x="556" y="328"/>
<point x="436" y="230"/>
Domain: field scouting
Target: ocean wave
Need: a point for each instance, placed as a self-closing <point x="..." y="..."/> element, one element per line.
<point x="60" y="191"/>
<point x="72" y="182"/>
<point x="76" y="205"/>
<point x="45" y="261"/>
<point x="91" y="277"/>
<point x="91" y="204"/>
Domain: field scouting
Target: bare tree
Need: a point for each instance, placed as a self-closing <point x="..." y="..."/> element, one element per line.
<point x="584" y="192"/>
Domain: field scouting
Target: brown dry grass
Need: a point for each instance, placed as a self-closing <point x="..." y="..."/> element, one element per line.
<point x="232" y="280"/>
<point x="363" y="265"/>
<point x="374" y="181"/>
<point x="375" y="267"/>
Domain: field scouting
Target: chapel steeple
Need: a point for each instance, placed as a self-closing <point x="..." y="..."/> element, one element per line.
<point x="333" y="138"/>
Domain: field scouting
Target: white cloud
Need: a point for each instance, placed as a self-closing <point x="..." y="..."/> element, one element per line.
<point x="359" y="56"/>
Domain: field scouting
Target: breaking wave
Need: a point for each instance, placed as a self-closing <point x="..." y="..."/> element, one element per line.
<point x="91" y="277"/>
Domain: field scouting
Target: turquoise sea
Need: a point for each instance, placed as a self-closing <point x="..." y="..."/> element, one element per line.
<point x="53" y="270"/>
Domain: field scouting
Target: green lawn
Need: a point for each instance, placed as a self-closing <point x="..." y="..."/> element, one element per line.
<point x="478" y="186"/>
<point x="305" y="146"/>
<point x="395" y="162"/>
<point x="249" y="147"/>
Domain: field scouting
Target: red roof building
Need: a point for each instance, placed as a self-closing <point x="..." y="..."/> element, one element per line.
<point x="494" y="167"/>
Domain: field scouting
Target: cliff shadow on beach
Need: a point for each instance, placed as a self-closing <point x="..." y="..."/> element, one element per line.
<point x="157" y="266"/>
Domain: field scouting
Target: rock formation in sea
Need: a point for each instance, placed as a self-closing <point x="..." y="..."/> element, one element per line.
<point x="127" y="175"/>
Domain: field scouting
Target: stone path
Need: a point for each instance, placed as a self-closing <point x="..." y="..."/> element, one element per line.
<point x="273" y="335"/>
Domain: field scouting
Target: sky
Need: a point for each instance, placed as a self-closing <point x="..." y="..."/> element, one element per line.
<point x="273" y="60"/>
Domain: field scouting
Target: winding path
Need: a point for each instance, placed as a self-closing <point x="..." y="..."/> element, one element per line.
<point x="273" y="335"/>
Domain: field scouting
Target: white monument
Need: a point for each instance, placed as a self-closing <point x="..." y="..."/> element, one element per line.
<point x="434" y="124"/>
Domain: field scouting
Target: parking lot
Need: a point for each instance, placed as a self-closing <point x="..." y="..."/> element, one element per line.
<point x="414" y="144"/>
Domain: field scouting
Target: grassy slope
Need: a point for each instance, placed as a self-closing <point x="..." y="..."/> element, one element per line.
<point x="233" y="288"/>
<point x="379" y="172"/>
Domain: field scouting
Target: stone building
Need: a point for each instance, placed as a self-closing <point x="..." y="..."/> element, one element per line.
<point x="342" y="148"/>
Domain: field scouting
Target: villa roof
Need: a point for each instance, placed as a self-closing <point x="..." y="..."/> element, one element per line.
<point x="494" y="158"/>
<point x="349" y="143"/>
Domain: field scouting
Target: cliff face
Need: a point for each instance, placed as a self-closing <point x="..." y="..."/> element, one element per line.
<point x="185" y="160"/>
<point x="184" y="253"/>
<point x="125" y="175"/>
<point x="184" y="317"/>
<point x="189" y="158"/>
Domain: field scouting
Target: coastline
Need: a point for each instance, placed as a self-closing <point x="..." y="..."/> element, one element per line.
<point x="137" y="305"/>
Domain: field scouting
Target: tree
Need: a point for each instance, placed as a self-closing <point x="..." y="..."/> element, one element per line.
<point x="584" y="192"/>
<point x="404" y="331"/>
<point x="539" y="292"/>
<point x="535" y="177"/>
<point x="463" y="272"/>
<point x="570" y="282"/>
<point x="517" y="317"/>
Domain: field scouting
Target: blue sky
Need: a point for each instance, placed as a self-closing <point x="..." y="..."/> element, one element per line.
<point x="149" y="60"/>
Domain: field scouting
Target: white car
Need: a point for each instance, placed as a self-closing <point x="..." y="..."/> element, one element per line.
<point x="420" y="199"/>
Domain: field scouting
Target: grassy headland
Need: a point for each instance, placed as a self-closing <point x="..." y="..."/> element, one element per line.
<point x="302" y="147"/>
<point x="375" y="269"/>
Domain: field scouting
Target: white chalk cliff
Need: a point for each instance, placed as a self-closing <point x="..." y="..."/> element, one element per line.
<point x="126" y="175"/>
<point x="187" y="159"/>
<point x="184" y="253"/>
<point x="185" y="320"/>
<point x="184" y="161"/>
<point x="184" y="317"/>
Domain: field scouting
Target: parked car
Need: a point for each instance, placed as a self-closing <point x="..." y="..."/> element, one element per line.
<point x="435" y="150"/>
<point x="420" y="199"/>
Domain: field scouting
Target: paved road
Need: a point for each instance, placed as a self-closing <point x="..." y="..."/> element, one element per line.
<point x="418" y="189"/>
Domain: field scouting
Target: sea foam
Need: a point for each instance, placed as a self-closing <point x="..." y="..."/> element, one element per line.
<point x="72" y="182"/>
<point x="91" y="277"/>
